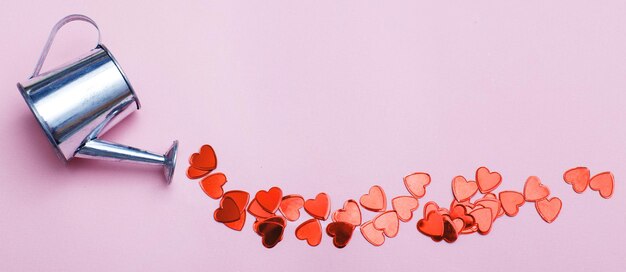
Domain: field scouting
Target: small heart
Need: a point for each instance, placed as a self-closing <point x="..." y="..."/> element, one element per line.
<point x="205" y="160"/>
<point x="487" y="180"/>
<point x="375" y="200"/>
<point x="269" y="200"/>
<point x="416" y="184"/>
<point x="194" y="173"/>
<point x="463" y="189"/>
<point x="311" y="231"/>
<point x="387" y="222"/>
<point x="371" y="234"/>
<point x="460" y="212"/>
<point x="404" y="206"/>
<point x="549" y="209"/>
<point x="237" y="225"/>
<point x="604" y="183"/>
<point x="212" y="185"/>
<point x="341" y="232"/>
<point x="511" y="201"/>
<point x="290" y="206"/>
<point x="431" y="225"/>
<point x="483" y="219"/>
<point x="351" y="213"/>
<point x="274" y="219"/>
<point x="241" y="198"/>
<point x="319" y="207"/>
<point x="271" y="232"/>
<point x="534" y="190"/>
<point x="257" y="211"/>
<point x="578" y="177"/>
<point x="227" y="212"/>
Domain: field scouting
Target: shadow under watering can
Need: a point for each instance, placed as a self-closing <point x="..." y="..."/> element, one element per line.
<point x="78" y="102"/>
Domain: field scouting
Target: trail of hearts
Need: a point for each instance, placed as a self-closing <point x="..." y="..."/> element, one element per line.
<point x="272" y="210"/>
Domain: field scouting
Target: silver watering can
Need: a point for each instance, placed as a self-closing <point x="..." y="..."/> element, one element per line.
<point x="78" y="102"/>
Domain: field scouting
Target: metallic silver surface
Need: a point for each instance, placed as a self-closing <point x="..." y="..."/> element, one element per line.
<point x="78" y="102"/>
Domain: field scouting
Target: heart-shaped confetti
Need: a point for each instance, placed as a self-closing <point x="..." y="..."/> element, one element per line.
<point x="431" y="225"/>
<point x="350" y="213"/>
<point x="269" y="200"/>
<point x="487" y="180"/>
<point x="227" y="212"/>
<point x="319" y="207"/>
<point x="578" y="177"/>
<point x="549" y="209"/>
<point x="290" y="206"/>
<point x="375" y="200"/>
<point x="271" y="232"/>
<point x="311" y="231"/>
<point x="603" y="183"/>
<point x="205" y="160"/>
<point x="483" y="219"/>
<point x="463" y="189"/>
<point x="534" y="190"/>
<point x="387" y="222"/>
<point x="511" y="201"/>
<point x="212" y="185"/>
<point x="241" y="198"/>
<point x="341" y="232"/>
<point x="438" y="223"/>
<point x="371" y="234"/>
<point x="404" y="206"/>
<point x="416" y="184"/>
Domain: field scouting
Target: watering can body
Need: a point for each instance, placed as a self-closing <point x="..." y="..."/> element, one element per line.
<point x="78" y="102"/>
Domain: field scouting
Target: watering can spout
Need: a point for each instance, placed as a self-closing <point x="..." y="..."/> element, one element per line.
<point x="104" y="150"/>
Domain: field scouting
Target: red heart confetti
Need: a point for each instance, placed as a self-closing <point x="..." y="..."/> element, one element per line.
<point x="319" y="207"/>
<point x="578" y="177"/>
<point x="487" y="180"/>
<point x="212" y="185"/>
<point x="603" y="183"/>
<point x="440" y="224"/>
<point x="416" y="184"/>
<point x="375" y="200"/>
<point x="350" y="213"/>
<point x="290" y="207"/>
<point x="534" y="190"/>
<point x="311" y="231"/>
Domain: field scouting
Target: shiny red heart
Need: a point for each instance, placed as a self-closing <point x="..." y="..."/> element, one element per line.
<point x="603" y="183"/>
<point x="269" y="200"/>
<point x="341" y="232"/>
<point x="374" y="200"/>
<point x="311" y="231"/>
<point x="578" y="177"/>
<point x="416" y="184"/>
<point x="205" y="160"/>
<point x="350" y="213"/>
<point x="319" y="207"/>
<point x="227" y="212"/>
<point x="212" y="185"/>
<point x="487" y="180"/>
<point x="534" y="190"/>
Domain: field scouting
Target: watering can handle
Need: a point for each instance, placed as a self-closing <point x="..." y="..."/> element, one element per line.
<point x="53" y="33"/>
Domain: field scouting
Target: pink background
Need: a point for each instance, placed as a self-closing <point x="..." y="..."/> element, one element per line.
<point x="331" y="96"/>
